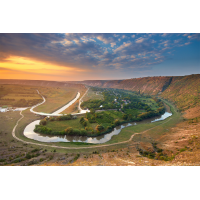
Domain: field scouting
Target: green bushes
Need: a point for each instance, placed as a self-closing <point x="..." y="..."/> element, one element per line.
<point x="69" y="131"/>
<point x="43" y="122"/>
<point x="100" y="128"/>
<point x="42" y="129"/>
<point x="76" y="157"/>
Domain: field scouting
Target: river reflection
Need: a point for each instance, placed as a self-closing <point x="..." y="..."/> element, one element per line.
<point x="29" y="133"/>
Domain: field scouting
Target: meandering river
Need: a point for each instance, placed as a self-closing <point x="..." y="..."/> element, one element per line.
<point x="29" y="133"/>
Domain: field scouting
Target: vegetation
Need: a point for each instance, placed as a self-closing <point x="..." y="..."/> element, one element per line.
<point x="132" y="108"/>
<point x="19" y="96"/>
<point x="184" y="91"/>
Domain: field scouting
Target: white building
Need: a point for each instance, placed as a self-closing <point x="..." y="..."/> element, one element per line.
<point x="3" y="109"/>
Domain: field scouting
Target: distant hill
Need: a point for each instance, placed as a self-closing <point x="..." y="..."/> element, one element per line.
<point x="184" y="91"/>
<point x="41" y="83"/>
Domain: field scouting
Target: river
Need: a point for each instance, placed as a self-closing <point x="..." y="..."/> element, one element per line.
<point x="29" y="133"/>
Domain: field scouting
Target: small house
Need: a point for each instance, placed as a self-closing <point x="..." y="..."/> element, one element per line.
<point x="3" y="110"/>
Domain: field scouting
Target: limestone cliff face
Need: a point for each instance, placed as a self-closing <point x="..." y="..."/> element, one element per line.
<point x="148" y="85"/>
<point x="184" y="91"/>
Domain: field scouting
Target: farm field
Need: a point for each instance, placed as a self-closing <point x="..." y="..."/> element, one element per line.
<point x="74" y="107"/>
<point x="55" y="98"/>
<point x="94" y="124"/>
<point x="93" y="95"/>
<point x="18" y="95"/>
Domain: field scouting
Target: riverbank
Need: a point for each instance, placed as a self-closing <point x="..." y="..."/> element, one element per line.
<point x="115" y="139"/>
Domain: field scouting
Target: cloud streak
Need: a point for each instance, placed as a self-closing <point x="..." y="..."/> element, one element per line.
<point x="92" y="52"/>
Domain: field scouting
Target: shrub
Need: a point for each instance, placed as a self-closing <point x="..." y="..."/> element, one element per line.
<point x="76" y="157"/>
<point x="84" y="123"/>
<point x="34" y="150"/>
<point x="82" y="120"/>
<point x="76" y="132"/>
<point x="43" y="122"/>
<point x="117" y="122"/>
<point x="69" y="131"/>
<point x="28" y="156"/>
<point x="99" y="128"/>
<point x="83" y="132"/>
<point x="52" y="119"/>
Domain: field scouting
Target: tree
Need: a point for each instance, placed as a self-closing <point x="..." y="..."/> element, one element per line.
<point x="92" y="111"/>
<point x="82" y="120"/>
<point x="84" y="123"/>
<point x="99" y="128"/>
<point x="117" y="122"/>
<point x="125" y="116"/>
<point x="69" y="131"/>
<point x="43" y="122"/>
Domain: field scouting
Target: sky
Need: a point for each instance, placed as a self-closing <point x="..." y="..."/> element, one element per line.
<point x="98" y="56"/>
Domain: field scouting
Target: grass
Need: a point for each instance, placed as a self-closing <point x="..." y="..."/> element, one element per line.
<point x="124" y="135"/>
<point x="55" y="98"/>
<point x="160" y="127"/>
<point x="62" y="125"/>
<point x="93" y="95"/>
<point x="74" y="107"/>
<point x="10" y="95"/>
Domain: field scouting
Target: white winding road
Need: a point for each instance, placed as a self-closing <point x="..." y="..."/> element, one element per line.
<point x="54" y="146"/>
<point x="56" y="113"/>
<point x="79" y="105"/>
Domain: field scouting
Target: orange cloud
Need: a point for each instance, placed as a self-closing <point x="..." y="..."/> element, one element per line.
<point x="25" y="68"/>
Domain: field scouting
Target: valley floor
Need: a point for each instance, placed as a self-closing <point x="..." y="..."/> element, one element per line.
<point x="183" y="140"/>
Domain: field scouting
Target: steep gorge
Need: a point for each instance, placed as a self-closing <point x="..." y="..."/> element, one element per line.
<point x="184" y="91"/>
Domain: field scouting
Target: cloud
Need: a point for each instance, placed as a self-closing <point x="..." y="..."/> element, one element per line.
<point x="124" y="45"/>
<point x="140" y="40"/>
<point x="112" y="44"/>
<point x="101" y="38"/>
<point x="177" y="41"/>
<point x="187" y="43"/>
<point x="194" y="36"/>
<point x="105" y="51"/>
<point x="123" y="36"/>
<point x="164" y="34"/>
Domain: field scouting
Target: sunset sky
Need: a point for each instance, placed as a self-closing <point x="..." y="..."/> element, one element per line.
<point x="68" y="57"/>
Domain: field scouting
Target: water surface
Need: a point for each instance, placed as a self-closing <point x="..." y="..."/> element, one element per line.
<point x="29" y="133"/>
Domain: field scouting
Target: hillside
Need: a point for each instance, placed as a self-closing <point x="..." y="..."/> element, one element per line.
<point x="148" y="85"/>
<point x="41" y="83"/>
<point x="184" y="91"/>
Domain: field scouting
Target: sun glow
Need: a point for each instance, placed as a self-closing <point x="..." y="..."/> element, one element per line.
<point x="24" y="68"/>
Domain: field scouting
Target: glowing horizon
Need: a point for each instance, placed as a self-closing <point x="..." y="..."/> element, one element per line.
<point x="73" y="57"/>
